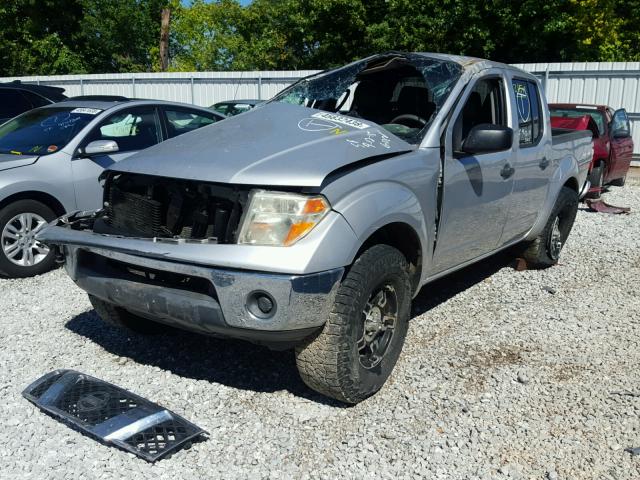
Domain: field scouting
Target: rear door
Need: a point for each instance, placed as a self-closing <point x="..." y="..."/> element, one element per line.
<point x="532" y="162"/>
<point x="133" y="129"/>
<point x="476" y="191"/>
<point x="621" y="145"/>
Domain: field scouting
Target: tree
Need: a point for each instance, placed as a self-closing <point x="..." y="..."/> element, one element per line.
<point x="35" y="38"/>
<point x="121" y="35"/>
<point x="205" y="35"/>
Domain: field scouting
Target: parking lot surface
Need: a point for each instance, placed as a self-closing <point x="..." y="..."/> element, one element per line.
<point x="505" y="374"/>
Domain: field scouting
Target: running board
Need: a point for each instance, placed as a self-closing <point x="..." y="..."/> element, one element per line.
<point x="111" y="414"/>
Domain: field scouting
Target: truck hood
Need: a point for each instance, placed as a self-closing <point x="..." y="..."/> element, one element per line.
<point x="273" y="145"/>
<point x="8" y="160"/>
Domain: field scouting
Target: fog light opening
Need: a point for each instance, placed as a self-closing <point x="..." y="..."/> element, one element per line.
<point x="261" y="305"/>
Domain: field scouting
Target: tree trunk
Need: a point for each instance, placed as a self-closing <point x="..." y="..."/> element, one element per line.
<point x="164" y="39"/>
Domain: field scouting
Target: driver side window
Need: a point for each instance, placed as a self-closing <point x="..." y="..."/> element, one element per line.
<point x="620" y="126"/>
<point x="132" y="129"/>
<point x="485" y="105"/>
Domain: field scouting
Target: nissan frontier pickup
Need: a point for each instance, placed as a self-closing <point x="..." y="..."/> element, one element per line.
<point x="312" y="220"/>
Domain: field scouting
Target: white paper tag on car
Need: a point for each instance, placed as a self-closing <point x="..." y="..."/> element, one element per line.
<point x="86" y="111"/>
<point x="350" y="122"/>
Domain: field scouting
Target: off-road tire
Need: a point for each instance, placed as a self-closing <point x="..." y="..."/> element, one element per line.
<point x="619" y="182"/>
<point x="330" y="362"/>
<point x="9" y="269"/>
<point x="120" y="318"/>
<point x="596" y="177"/>
<point x="537" y="252"/>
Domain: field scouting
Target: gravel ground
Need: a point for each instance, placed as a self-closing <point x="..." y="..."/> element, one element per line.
<point x="505" y="374"/>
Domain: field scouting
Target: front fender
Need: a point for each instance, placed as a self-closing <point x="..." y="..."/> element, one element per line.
<point x="375" y="205"/>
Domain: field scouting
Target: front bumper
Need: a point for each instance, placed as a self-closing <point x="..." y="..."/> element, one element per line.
<point x="219" y="302"/>
<point x="195" y="296"/>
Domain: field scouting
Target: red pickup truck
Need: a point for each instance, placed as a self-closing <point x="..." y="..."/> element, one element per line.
<point x="612" y="142"/>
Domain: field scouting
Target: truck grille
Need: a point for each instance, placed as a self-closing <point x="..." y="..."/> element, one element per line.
<point x="156" y="207"/>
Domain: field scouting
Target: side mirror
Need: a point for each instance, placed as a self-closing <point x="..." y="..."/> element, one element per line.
<point x="620" y="127"/>
<point x="486" y="138"/>
<point x="99" y="147"/>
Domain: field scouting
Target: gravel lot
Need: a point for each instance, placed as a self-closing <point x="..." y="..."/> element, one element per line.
<point x="505" y="374"/>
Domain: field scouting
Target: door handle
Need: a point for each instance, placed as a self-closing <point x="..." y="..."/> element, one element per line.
<point x="544" y="163"/>
<point x="507" y="171"/>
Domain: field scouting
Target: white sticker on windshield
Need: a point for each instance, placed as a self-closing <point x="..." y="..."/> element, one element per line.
<point x="350" y="122"/>
<point x="87" y="111"/>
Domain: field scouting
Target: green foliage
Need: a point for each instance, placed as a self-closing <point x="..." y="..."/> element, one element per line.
<point x="119" y="34"/>
<point x="35" y="37"/>
<point x="96" y="36"/>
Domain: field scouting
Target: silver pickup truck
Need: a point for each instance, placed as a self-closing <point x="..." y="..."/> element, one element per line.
<point x="312" y="220"/>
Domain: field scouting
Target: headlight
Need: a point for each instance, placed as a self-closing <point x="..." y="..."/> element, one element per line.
<point x="282" y="219"/>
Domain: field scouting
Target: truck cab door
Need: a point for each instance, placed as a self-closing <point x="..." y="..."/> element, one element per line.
<point x="621" y="145"/>
<point x="533" y="158"/>
<point x="133" y="129"/>
<point x="476" y="186"/>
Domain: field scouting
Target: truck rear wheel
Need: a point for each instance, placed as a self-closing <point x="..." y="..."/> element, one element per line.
<point x="354" y="354"/>
<point x="121" y="318"/>
<point x="545" y="249"/>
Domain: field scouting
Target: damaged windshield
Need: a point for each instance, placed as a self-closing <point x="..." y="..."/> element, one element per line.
<point x="43" y="131"/>
<point x="402" y="93"/>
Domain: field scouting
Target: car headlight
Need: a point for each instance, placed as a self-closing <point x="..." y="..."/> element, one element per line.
<point x="276" y="218"/>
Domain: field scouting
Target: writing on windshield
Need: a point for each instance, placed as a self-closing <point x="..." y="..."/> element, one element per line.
<point x="43" y="131"/>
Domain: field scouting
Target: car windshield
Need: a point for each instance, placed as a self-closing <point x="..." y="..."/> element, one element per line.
<point x="597" y="115"/>
<point x="44" y="131"/>
<point x="402" y="93"/>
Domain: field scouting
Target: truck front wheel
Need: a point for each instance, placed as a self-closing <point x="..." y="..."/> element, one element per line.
<point x="545" y="249"/>
<point x="354" y="354"/>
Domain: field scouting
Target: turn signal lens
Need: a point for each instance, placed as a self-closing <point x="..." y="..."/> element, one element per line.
<point x="280" y="219"/>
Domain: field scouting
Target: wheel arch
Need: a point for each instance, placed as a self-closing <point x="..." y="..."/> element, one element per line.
<point x="572" y="183"/>
<point x="402" y="236"/>
<point x="42" y="197"/>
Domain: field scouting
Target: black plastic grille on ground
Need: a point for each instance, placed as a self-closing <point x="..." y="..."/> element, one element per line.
<point x="111" y="414"/>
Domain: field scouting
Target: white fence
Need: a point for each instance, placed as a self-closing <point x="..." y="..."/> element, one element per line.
<point x="199" y="88"/>
<point x="616" y="84"/>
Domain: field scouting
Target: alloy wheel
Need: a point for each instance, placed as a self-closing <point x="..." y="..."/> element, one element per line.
<point x="379" y="318"/>
<point x="555" y="240"/>
<point x="18" y="240"/>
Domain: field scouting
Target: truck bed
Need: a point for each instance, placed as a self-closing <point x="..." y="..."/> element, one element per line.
<point x="562" y="135"/>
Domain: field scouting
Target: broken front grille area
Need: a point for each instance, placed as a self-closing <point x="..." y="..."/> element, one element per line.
<point x="112" y="414"/>
<point x="146" y="206"/>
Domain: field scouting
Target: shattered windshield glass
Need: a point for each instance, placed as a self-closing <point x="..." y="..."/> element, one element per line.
<point x="402" y="93"/>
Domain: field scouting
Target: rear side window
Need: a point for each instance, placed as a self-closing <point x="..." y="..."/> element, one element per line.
<point x="529" y="111"/>
<point x="181" y="121"/>
<point x="12" y="103"/>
